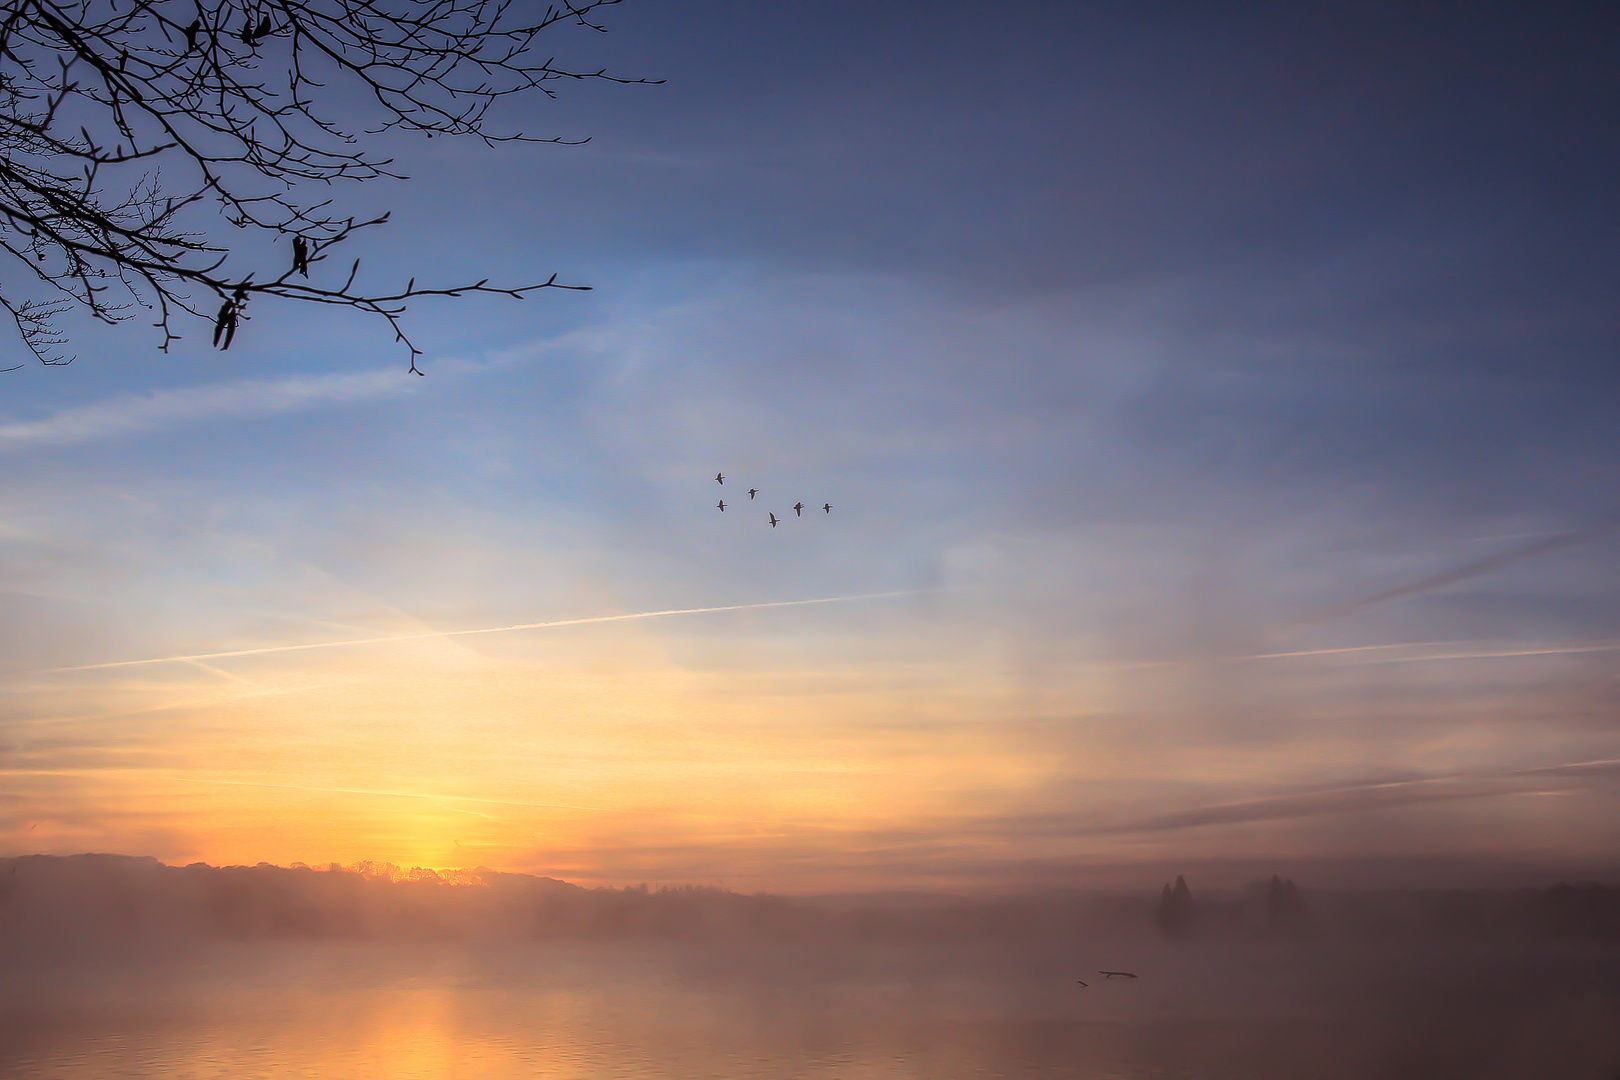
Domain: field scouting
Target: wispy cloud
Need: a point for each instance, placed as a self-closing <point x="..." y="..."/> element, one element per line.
<point x="1473" y="569"/>
<point x="136" y="414"/>
<point x="381" y="794"/>
<point x="1373" y="795"/>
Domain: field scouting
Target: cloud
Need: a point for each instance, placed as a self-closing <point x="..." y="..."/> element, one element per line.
<point x="137" y="414"/>
<point x="381" y="794"/>
<point x="1372" y="795"/>
<point x="1476" y="568"/>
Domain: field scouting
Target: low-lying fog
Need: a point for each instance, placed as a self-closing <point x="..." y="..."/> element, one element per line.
<point x="118" y="967"/>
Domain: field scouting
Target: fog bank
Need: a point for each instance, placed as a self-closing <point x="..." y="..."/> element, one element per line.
<point x="114" y="899"/>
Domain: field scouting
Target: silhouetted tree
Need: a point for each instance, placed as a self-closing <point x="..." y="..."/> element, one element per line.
<point x="238" y="101"/>
<point x="1285" y="907"/>
<point x="1175" y="915"/>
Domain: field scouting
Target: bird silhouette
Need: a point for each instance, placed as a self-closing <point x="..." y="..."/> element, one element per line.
<point x="719" y="477"/>
<point x="798" y="509"/>
<point x="1082" y="982"/>
<point x="225" y="324"/>
<point x="1117" y="974"/>
<point x="752" y="492"/>
<point x="773" y="521"/>
<point x="300" y="256"/>
<point x="826" y="508"/>
<point x="722" y="505"/>
<point x="230" y="312"/>
<point x="191" y="35"/>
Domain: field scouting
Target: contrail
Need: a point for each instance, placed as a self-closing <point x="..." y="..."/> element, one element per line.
<point x="1349" y="649"/>
<point x="1379" y="654"/>
<point x="1556" y="650"/>
<point x="265" y="650"/>
<point x="1482" y="654"/>
<point x="222" y="673"/>
<point x="1461" y="573"/>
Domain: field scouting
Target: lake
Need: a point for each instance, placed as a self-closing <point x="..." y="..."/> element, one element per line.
<point x="812" y="1009"/>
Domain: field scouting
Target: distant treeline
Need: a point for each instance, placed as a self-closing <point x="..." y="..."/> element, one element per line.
<point x="97" y="899"/>
<point x="1576" y="912"/>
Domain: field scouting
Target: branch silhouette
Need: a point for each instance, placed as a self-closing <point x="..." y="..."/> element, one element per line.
<point x="97" y="97"/>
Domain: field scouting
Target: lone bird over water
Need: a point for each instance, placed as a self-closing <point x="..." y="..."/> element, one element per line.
<point x="1117" y="974"/>
<point x="773" y="521"/>
<point x="798" y="509"/>
<point x="722" y="505"/>
<point x="719" y="477"/>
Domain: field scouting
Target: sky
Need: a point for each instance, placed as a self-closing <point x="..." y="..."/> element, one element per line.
<point x="1215" y="402"/>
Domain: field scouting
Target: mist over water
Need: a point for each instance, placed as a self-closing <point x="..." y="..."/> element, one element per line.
<point x="210" y="980"/>
<point x="829" y="1009"/>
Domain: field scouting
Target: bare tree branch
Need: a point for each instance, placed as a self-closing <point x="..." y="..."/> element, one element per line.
<point x="98" y="96"/>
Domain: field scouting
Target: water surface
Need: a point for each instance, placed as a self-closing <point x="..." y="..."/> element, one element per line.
<point x="846" y="1010"/>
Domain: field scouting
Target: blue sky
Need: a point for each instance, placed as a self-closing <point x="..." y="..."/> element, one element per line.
<point x="1125" y="339"/>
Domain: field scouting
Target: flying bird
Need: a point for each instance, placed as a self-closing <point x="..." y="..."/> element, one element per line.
<point x="1082" y="982"/>
<point x="719" y="477"/>
<point x="752" y="492"/>
<point x="1117" y="974"/>
<point x="722" y="505"/>
<point x="798" y="509"/>
<point x="826" y="508"/>
<point x="773" y="521"/>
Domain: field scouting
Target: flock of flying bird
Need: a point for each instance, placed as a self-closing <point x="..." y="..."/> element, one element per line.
<point x="798" y="507"/>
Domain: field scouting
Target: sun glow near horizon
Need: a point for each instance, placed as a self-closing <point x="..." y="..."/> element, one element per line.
<point x="435" y="753"/>
<point x="623" y="752"/>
